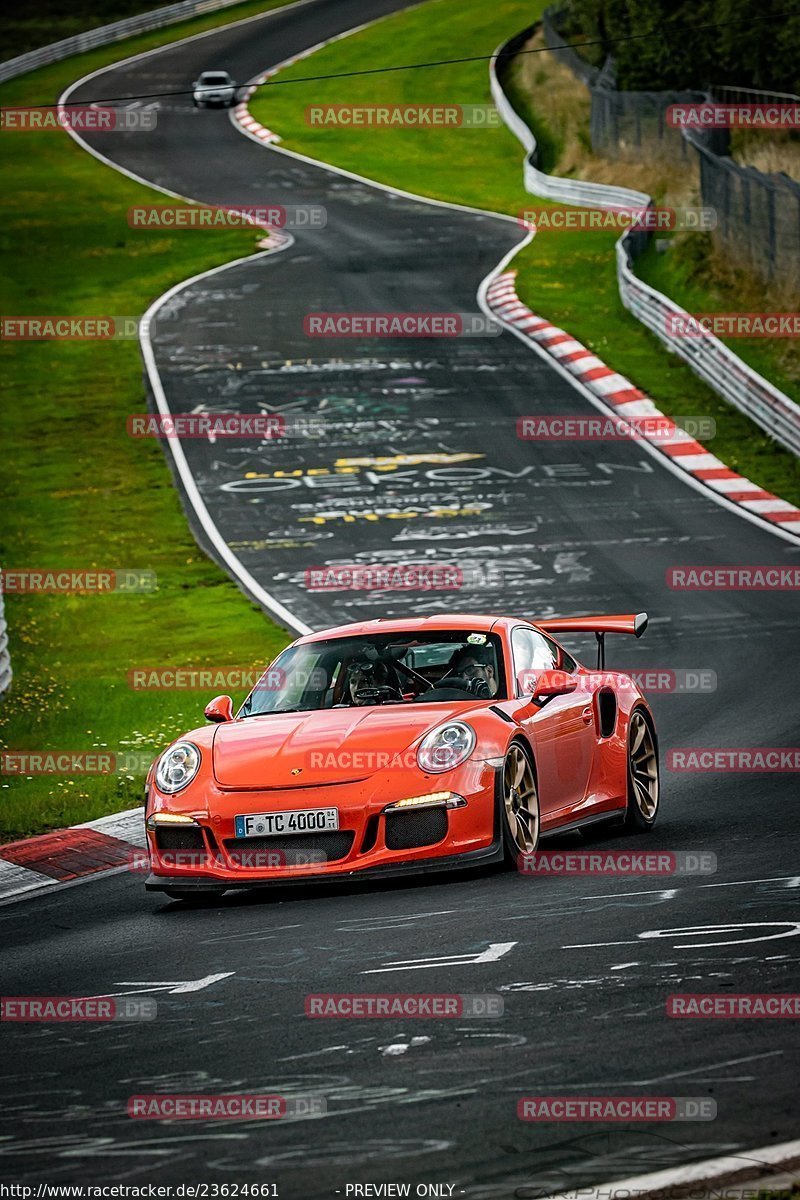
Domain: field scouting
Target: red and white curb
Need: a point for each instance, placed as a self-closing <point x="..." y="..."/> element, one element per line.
<point x="623" y="399"/>
<point x="67" y="855"/>
<point x="241" y="113"/>
<point x="243" y="118"/>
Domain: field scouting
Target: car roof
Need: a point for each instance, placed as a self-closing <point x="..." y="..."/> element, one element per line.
<point x="474" y="622"/>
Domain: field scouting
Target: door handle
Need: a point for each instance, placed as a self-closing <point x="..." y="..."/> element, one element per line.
<point x="587" y="716"/>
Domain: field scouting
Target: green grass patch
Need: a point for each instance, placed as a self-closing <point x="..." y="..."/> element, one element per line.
<point x="77" y="492"/>
<point x="569" y="278"/>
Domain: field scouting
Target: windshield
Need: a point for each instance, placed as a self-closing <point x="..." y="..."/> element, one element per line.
<point x="392" y="668"/>
<point x="215" y="78"/>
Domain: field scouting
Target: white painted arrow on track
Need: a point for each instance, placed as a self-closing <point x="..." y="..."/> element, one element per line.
<point x="491" y="954"/>
<point x="175" y="987"/>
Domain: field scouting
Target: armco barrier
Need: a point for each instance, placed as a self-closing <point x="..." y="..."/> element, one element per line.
<point x="5" y="659"/>
<point x="708" y="357"/>
<point x="104" y="35"/>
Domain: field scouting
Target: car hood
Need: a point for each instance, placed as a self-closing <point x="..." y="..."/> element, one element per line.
<point x="283" y="750"/>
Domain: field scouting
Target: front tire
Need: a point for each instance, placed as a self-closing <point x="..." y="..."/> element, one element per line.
<point x="520" y="804"/>
<point x="644" y="784"/>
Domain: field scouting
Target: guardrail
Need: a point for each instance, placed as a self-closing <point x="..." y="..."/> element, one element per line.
<point x="5" y="658"/>
<point x="708" y="357"/>
<point x="104" y="35"/>
<point x="726" y="94"/>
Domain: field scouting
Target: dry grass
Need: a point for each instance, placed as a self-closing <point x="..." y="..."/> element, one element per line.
<point x="767" y="152"/>
<point x="558" y="108"/>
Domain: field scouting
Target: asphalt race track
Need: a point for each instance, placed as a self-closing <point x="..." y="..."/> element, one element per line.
<point x="584" y="965"/>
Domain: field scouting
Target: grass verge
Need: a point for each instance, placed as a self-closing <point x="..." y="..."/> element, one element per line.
<point x="77" y="492"/>
<point x="567" y="277"/>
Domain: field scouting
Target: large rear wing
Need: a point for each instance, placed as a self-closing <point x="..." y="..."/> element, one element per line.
<point x="633" y="624"/>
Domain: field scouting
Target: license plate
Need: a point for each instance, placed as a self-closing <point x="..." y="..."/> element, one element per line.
<point x="297" y="820"/>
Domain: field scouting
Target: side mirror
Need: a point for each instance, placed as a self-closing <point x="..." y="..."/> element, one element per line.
<point x="219" y="709"/>
<point x="553" y="683"/>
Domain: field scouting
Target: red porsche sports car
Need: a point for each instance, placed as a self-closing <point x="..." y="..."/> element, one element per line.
<point x="392" y="746"/>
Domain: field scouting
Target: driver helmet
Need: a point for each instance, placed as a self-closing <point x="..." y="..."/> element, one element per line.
<point x="363" y="676"/>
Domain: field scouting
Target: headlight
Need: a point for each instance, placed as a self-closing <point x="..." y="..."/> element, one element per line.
<point x="445" y="748"/>
<point x="177" y="767"/>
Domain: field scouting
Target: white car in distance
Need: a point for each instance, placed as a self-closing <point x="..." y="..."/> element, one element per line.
<point x="213" y="87"/>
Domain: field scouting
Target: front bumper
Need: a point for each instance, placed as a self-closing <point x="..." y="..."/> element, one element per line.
<point x="370" y="841"/>
<point x="204" y="883"/>
<point x="214" y="98"/>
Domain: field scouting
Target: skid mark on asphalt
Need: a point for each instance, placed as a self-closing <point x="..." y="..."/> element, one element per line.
<point x="400" y="921"/>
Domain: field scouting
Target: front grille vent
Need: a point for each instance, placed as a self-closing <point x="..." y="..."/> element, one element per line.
<point x="414" y="828"/>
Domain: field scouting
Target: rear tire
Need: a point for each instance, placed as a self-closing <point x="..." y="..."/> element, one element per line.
<point x="644" y="784"/>
<point x="520" y="815"/>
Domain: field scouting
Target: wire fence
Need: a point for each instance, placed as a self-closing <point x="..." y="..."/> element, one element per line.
<point x="707" y="356"/>
<point x="624" y="125"/>
<point x="105" y="35"/>
<point x="758" y="215"/>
